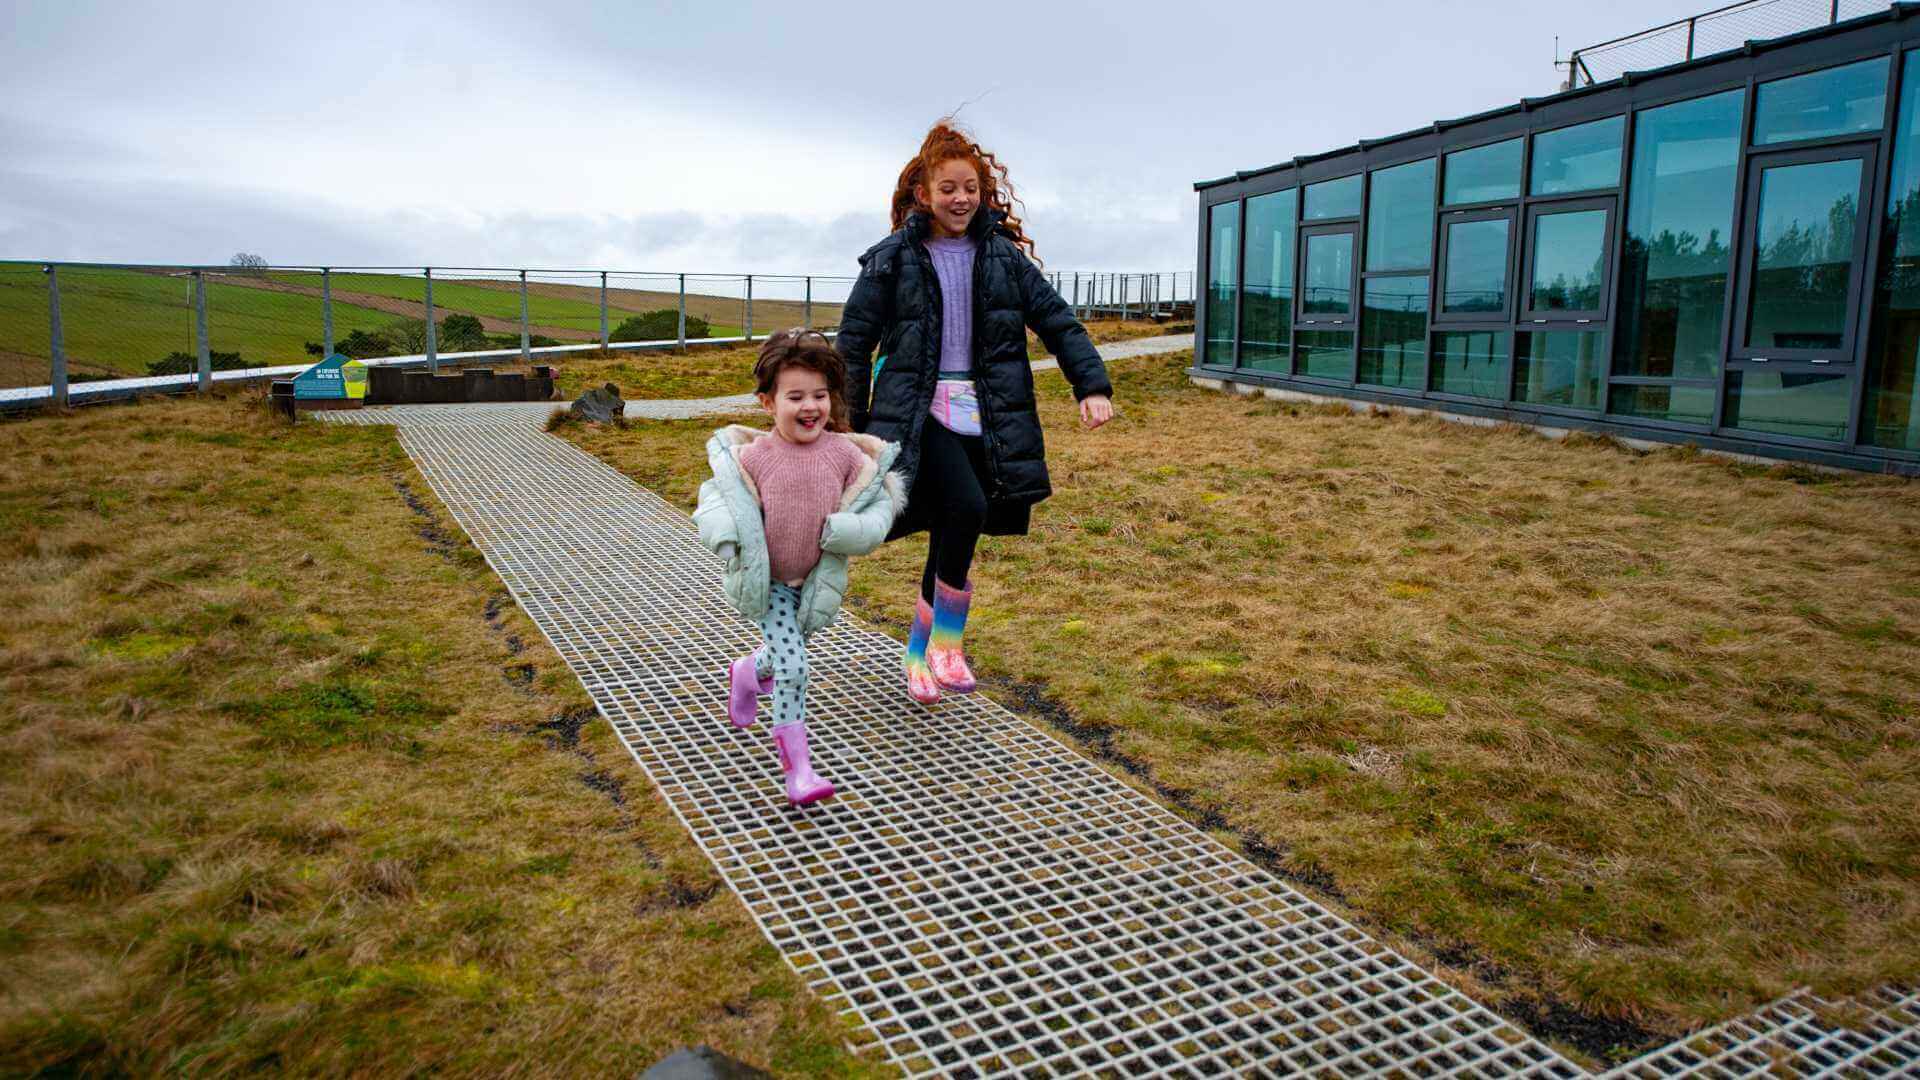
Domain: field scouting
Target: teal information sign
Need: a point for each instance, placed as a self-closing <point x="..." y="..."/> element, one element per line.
<point x="338" y="376"/>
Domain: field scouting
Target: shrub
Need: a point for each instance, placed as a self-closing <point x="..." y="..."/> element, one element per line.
<point x="362" y="344"/>
<point x="661" y="325"/>
<point x="462" y="333"/>
<point x="179" y="363"/>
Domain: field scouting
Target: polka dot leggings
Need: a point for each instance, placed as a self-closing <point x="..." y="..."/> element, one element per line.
<point x="785" y="654"/>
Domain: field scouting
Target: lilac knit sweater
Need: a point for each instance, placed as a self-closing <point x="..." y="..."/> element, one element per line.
<point x="953" y="265"/>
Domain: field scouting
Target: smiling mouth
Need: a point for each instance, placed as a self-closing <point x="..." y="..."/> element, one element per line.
<point x="806" y="423"/>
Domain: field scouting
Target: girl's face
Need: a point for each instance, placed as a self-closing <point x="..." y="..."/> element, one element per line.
<point x="952" y="192"/>
<point x="800" y="404"/>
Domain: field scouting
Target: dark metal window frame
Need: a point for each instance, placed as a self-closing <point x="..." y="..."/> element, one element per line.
<point x="1448" y="218"/>
<point x="1533" y="142"/>
<point x="1754" y="168"/>
<point x="1890" y="33"/>
<point x="1360" y="175"/>
<point x="1575" y="318"/>
<point x="1293" y="304"/>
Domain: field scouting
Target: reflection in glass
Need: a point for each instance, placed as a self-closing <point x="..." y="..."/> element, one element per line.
<point x="1333" y="198"/>
<point x="1393" y="332"/>
<point x="1328" y="288"/>
<point x="1471" y="363"/>
<point x="1812" y="406"/>
<point x="1267" y="328"/>
<point x="1678" y="402"/>
<point x="1837" y="101"/>
<point x="1805" y="236"/>
<point x="1223" y="258"/>
<point x="1400" y="218"/>
<point x="1892" y="417"/>
<point x="1579" y="158"/>
<point x="1673" y="272"/>
<point x="1560" y="367"/>
<point x="1569" y="259"/>
<point x="1326" y="354"/>
<point x="1476" y="266"/>
<point x="1484" y="173"/>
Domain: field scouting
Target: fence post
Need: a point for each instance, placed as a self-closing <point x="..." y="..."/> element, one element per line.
<point x="806" y="312"/>
<point x="749" y="326"/>
<point x="1077" y="313"/>
<point x="433" y="339"/>
<point x="326" y="312"/>
<point x="524" y="356"/>
<point x="683" y="313"/>
<point x="605" y="338"/>
<point x="57" y="376"/>
<point x="200" y="331"/>
<point x="1689" y="40"/>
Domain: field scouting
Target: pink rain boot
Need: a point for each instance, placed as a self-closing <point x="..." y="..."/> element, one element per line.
<point x="921" y="685"/>
<point x="944" y="658"/>
<point x="745" y="689"/>
<point x="803" y="784"/>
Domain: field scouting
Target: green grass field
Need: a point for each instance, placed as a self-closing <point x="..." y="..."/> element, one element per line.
<point x="116" y="322"/>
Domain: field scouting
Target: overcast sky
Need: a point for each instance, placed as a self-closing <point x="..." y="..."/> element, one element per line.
<point x="701" y="137"/>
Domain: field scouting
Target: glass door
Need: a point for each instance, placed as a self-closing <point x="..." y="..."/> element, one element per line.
<point x="1802" y="254"/>
<point x="1323" y="342"/>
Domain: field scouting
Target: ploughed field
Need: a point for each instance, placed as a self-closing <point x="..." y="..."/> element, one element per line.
<point x="1621" y="742"/>
<point x="288" y="784"/>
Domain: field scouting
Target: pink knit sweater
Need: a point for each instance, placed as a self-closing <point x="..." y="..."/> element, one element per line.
<point x="799" y="485"/>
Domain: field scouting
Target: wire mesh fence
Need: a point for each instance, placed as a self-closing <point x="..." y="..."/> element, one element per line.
<point x="66" y="324"/>
<point x="1708" y="33"/>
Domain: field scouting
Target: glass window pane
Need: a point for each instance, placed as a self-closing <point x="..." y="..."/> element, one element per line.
<point x="1473" y="363"/>
<point x="1679" y="402"/>
<point x="1805" y="235"/>
<point x="1579" y="158"/>
<point x="1484" y="173"/>
<point x="1788" y="403"/>
<point x="1267" y="330"/>
<point x="1892" y="417"/>
<point x="1400" y="218"/>
<point x="1393" y="332"/>
<point x="1327" y="354"/>
<point x="1223" y="263"/>
<point x="1328" y="289"/>
<point x="1569" y="257"/>
<point x="1560" y="367"/>
<point x="1334" y="198"/>
<point x="1476" y="266"/>
<point x="1673" y="273"/>
<point x="1837" y="101"/>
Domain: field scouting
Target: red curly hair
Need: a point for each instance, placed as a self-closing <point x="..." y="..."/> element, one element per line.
<point x="947" y="141"/>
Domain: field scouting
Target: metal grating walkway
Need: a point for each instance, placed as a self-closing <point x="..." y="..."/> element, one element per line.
<point x="983" y="900"/>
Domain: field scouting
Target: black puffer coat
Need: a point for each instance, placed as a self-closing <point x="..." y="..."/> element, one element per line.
<point x="895" y="308"/>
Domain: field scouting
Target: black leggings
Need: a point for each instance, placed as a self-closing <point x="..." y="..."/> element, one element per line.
<point x="952" y="485"/>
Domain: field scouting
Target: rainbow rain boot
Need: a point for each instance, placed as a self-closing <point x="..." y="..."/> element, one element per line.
<point x="921" y="685"/>
<point x="944" y="658"/>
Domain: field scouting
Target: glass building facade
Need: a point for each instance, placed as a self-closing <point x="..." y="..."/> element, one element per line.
<point x="1724" y="252"/>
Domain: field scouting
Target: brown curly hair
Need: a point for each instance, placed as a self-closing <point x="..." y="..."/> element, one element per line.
<point x="799" y="347"/>
<point x="947" y="141"/>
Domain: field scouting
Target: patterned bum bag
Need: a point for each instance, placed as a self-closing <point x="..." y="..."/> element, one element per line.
<point x="956" y="406"/>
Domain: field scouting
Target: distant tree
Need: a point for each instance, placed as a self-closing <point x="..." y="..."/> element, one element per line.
<point x="249" y="264"/>
<point x="661" y="325"/>
<point x="179" y="363"/>
<point x="361" y="344"/>
<point x="462" y="333"/>
<point x="410" y="335"/>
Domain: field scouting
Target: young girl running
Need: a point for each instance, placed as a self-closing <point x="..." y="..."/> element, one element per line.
<point x="945" y="301"/>
<point x="785" y="509"/>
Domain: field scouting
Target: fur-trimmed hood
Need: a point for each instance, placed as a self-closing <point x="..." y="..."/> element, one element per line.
<point x="877" y="453"/>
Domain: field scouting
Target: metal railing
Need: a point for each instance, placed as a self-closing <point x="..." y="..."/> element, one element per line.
<point x="175" y="327"/>
<point x="1719" y="30"/>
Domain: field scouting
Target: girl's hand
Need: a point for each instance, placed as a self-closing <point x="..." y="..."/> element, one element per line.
<point x="1095" y="410"/>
